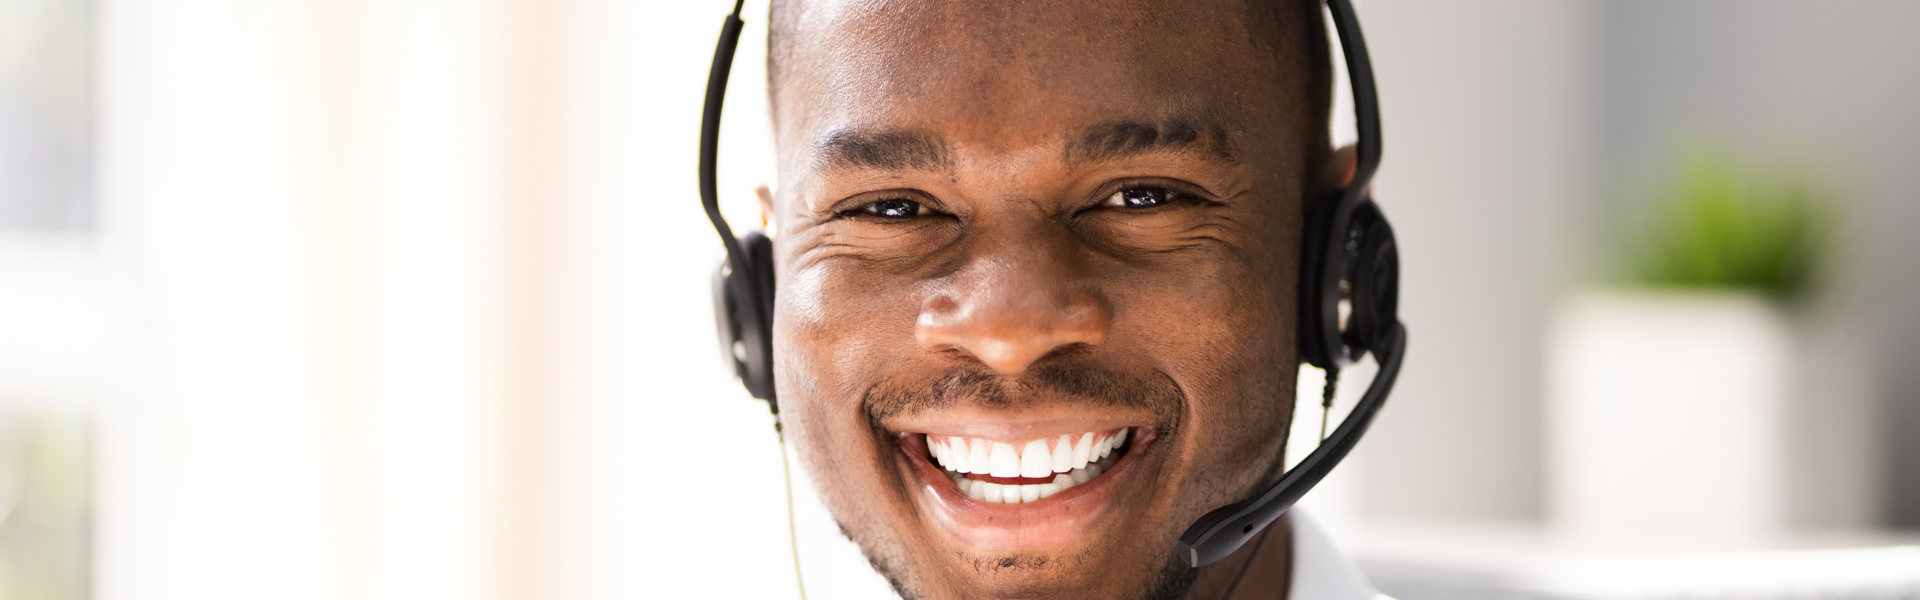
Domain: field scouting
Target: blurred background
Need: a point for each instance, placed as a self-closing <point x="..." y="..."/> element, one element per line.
<point x="409" y="299"/>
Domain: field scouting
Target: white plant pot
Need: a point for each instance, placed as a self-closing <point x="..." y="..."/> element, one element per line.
<point x="1666" y="417"/>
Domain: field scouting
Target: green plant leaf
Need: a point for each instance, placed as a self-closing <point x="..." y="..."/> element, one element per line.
<point x="1719" y="227"/>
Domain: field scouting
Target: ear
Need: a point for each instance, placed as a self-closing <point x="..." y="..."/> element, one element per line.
<point x="1340" y="168"/>
<point x="765" y="195"/>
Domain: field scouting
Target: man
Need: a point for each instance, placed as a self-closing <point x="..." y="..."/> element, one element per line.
<point x="1037" y="265"/>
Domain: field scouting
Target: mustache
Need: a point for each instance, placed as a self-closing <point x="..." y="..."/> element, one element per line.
<point x="1074" y="382"/>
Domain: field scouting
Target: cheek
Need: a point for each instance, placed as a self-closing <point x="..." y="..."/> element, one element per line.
<point x="1223" y="331"/>
<point x="832" y="343"/>
<point x="820" y="373"/>
<point x="835" y="337"/>
<point x="1211" y="320"/>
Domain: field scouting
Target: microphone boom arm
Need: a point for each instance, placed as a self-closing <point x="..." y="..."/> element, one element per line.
<point x="1225" y="529"/>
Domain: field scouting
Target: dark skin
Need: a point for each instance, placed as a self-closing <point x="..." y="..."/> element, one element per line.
<point x="1058" y="217"/>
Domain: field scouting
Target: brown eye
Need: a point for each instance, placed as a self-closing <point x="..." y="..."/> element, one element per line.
<point x="1140" y="197"/>
<point x="893" y="208"/>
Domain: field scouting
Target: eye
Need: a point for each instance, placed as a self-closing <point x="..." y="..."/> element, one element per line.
<point x="893" y="208"/>
<point x="1140" y="197"/>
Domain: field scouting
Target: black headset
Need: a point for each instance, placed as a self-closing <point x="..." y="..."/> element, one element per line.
<point x="1349" y="295"/>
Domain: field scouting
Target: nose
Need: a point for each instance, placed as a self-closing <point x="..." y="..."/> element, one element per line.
<point x="1010" y="311"/>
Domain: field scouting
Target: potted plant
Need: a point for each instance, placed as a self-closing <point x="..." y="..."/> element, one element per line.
<point x="1667" y="391"/>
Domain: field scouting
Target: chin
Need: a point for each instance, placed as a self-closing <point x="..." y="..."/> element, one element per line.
<point x="1030" y="506"/>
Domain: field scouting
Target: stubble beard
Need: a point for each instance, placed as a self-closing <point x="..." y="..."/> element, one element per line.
<point x="1171" y="581"/>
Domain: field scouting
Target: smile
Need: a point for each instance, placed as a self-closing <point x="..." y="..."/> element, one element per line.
<point x="1024" y="485"/>
<point x="993" y="471"/>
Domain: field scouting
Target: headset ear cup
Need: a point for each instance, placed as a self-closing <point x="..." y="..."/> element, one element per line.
<point x="1366" y="269"/>
<point x="1316" y="345"/>
<point x="760" y="249"/>
<point x="726" y="321"/>
<point x="1376" y="281"/>
<point x="759" y="341"/>
<point x="743" y="316"/>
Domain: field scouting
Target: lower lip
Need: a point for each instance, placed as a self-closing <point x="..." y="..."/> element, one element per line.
<point x="1052" y="521"/>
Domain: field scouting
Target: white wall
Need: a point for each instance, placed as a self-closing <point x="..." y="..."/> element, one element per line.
<point x="695" y="474"/>
<point x="1483" y="105"/>
<point x="409" y="299"/>
<point x="304" y="220"/>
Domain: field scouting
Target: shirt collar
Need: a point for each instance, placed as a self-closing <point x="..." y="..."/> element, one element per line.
<point x="1320" y="571"/>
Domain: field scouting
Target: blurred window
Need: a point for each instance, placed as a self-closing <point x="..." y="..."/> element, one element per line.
<point x="46" y="175"/>
<point x="46" y="115"/>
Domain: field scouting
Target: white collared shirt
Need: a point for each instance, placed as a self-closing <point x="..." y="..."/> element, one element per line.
<point x="1320" y="571"/>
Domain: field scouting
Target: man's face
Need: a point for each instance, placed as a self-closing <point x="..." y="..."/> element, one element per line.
<point x="1020" y="229"/>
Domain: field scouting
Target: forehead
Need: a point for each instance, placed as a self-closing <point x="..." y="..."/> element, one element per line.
<point x="999" y="74"/>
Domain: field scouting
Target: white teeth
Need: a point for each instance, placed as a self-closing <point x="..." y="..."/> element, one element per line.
<point x="1037" y="458"/>
<point x="1013" y="494"/>
<point x="1083" y="451"/>
<point x="1063" y="454"/>
<point x="990" y="491"/>
<point x="1035" y="461"/>
<point x="1062" y="483"/>
<point x="977" y="456"/>
<point x="1071" y="460"/>
<point x="1047" y="489"/>
<point x="1005" y="461"/>
<point x="957" y="455"/>
<point x="938" y="450"/>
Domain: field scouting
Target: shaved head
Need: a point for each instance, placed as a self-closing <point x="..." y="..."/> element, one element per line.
<point x="1289" y="36"/>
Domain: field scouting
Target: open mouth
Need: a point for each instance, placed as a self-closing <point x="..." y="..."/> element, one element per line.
<point x="1007" y="473"/>
<point x="1025" y="484"/>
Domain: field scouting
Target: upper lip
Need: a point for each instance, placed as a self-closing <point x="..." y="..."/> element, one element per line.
<point x="1017" y="427"/>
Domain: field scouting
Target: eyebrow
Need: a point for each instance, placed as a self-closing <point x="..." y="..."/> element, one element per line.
<point x="905" y="150"/>
<point x="1116" y="140"/>
<point x="890" y="150"/>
